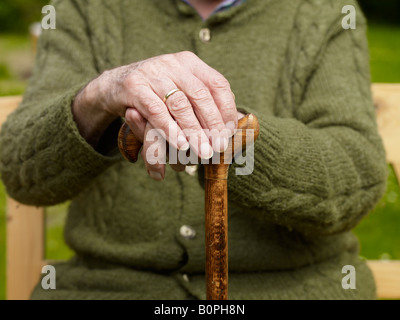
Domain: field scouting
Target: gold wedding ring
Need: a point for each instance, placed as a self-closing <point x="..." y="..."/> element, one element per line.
<point x="170" y="94"/>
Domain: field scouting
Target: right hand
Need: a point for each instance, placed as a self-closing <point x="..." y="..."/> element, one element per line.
<point x="136" y="92"/>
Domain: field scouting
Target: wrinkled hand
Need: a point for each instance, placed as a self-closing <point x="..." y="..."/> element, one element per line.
<point x="201" y="116"/>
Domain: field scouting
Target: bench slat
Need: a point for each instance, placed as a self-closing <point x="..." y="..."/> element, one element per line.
<point x="387" y="101"/>
<point x="8" y="105"/>
<point x="387" y="278"/>
<point x="25" y="249"/>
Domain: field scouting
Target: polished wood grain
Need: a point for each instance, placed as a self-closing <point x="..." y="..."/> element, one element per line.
<point x="216" y="208"/>
<point x="128" y="144"/>
<point x="216" y="221"/>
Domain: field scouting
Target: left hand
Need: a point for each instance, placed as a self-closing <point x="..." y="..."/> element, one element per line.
<point x="160" y="145"/>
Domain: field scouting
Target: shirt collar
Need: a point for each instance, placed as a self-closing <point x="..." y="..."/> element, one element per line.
<point x="224" y="5"/>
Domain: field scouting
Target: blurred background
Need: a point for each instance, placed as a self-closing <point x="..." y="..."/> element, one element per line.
<point x="378" y="232"/>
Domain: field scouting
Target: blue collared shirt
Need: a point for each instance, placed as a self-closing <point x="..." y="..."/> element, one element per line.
<point x="224" y="5"/>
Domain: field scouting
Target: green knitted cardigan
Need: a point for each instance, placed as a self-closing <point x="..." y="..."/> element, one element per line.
<point x="319" y="161"/>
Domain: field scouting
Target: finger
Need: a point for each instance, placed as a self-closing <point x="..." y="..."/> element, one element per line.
<point x="136" y="123"/>
<point x="152" y="108"/>
<point x="154" y="153"/>
<point x="173" y="159"/>
<point x="220" y="90"/>
<point x="240" y="115"/>
<point x="182" y="111"/>
<point x="206" y="111"/>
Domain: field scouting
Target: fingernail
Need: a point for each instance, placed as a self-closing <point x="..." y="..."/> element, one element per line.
<point x="221" y="144"/>
<point x="206" y="152"/>
<point x="185" y="147"/>
<point x="156" y="175"/>
<point x="182" y="142"/>
<point x="231" y="128"/>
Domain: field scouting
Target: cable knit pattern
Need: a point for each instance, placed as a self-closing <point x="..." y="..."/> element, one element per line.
<point x="319" y="161"/>
<point x="332" y="177"/>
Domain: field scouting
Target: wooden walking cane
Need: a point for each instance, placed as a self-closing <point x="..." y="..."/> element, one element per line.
<point x="216" y="201"/>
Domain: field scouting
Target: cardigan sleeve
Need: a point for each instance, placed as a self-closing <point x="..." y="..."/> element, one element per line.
<point x="44" y="160"/>
<point x="321" y="171"/>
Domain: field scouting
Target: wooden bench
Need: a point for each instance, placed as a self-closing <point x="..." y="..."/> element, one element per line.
<point x="25" y="225"/>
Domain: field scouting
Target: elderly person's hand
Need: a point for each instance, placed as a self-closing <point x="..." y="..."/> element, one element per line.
<point x="138" y="92"/>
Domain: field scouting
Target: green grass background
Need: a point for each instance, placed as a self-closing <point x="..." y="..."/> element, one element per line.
<point x="378" y="232"/>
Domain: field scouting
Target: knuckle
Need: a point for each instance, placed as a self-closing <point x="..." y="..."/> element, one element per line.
<point x="219" y="82"/>
<point x="215" y="124"/>
<point x="154" y="109"/>
<point x="162" y="57"/>
<point x="229" y="112"/>
<point x="165" y="59"/>
<point x="186" y="54"/>
<point x="201" y="95"/>
<point x="179" y="104"/>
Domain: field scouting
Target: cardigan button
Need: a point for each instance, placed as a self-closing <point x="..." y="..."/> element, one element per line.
<point x="205" y="35"/>
<point x="185" y="277"/>
<point x="187" y="232"/>
<point x="191" y="170"/>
